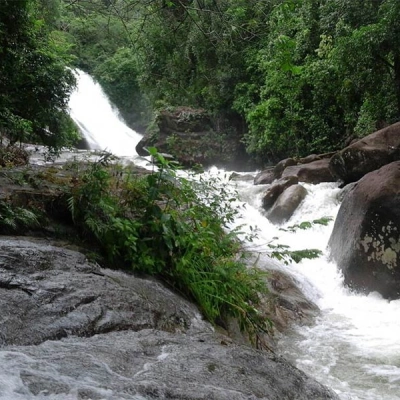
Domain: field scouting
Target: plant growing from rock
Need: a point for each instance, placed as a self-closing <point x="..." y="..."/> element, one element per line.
<point x="14" y="219"/>
<point x="173" y="227"/>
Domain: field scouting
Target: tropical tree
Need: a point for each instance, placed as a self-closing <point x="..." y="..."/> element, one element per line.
<point x="34" y="81"/>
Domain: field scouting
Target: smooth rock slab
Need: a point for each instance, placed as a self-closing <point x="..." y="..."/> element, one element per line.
<point x="158" y="365"/>
<point x="120" y="337"/>
<point x="49" y="292"/>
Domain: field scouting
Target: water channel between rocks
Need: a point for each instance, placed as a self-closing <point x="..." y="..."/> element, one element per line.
<point x="354" y="345"/>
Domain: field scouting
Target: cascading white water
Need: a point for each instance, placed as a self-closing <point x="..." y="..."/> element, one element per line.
<point x="354" y="345"/>
<point x="99" y="121"/>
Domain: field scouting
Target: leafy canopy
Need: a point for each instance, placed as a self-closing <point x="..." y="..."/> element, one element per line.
<point x="294" y="77"/>
<point x="34" y="82"/>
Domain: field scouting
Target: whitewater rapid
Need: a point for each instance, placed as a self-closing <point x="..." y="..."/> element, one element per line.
<point x="354" y="345"/>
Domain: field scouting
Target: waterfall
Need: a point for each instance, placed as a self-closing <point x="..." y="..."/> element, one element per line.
<point x="100" y="122"/>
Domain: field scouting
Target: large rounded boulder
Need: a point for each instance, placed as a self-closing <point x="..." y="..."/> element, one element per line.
<point x="365" y="241"/>
<point x="368" y="154"/>
<point x="275" y="190"/>
<point x="270" y="174"/>
<point x="286" y="204"/>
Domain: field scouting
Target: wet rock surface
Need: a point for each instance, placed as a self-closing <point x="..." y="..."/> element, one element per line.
<point x="287" y="305"/>
<point x="48" y="292"/>
<point x="192" y="136"/>
<point x="265" y="177"/>
<point x="312" y="172"/>
<point x="365" y="241"/>
<point x="276" y="189"/>
<point x="72" y="328"/>
<point x="286" y="204"/>
<point x="153" y="364"/>
<point x="367" y="154"/>
<point x="269" y="174"/>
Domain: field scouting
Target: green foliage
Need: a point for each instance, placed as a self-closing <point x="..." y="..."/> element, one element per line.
<point x="16" y="219"/>
<point x="172" y="226"/>
<point x="34" y="82"/>
<point x="307" y="224"/>
<point x="13" y="155"/>
<point x="278" y="70"/>
<point x="119" y="76"/>
<point x="283" y="253"/>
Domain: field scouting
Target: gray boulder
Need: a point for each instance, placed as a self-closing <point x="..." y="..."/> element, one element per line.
<point x="286" y="204"/>
<point x="315" y="157"/>
<point x="74" y="329"/>
<point x="276" y="189"/>
<point x="282" y="165"/>
<point x="288" y="305"/>
<point x="365" y="241"/>
<point x="312" y="172"/>
<point x="265" y="177"/>
<point x="368" y="154"/>
<point x="269" y="174"/>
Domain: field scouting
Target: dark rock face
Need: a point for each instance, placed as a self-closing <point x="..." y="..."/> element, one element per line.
<point x="368" y="154"/>
<point x="286" y="204"/>
<point x="315" y="157"/>
<point x="312" y="169"/>
<point x="365" y="240"/>
<point x="312" y="172"/>
<point x="274" y="191"/>
<point x="265" y="177"/>
<point x="289" y="304"/>
<point x="282" y="165"/>
<point x="192" y="137"/>
<point x="268" y="175"/>
<point x="241" y="177"/>
<point x="123" y="337"/>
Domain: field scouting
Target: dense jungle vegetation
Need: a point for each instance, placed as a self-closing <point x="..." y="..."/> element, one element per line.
<point x="303" y="75"/>
<point x="34" y="82"/>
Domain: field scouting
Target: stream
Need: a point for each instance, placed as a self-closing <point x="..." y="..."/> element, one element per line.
<point x="353" y="347"/>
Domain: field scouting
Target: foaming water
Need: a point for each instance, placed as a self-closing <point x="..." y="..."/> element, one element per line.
<point x="354" y="345"/>
<point x="99" y="121"/>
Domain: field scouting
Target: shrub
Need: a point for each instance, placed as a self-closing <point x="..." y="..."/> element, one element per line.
<point x="173" y="227"/>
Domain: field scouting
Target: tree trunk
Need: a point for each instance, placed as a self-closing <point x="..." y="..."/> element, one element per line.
<point x="397" y="79"/>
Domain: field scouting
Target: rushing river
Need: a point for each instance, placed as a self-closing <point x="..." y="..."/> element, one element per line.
<point x="354" y="346"/>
